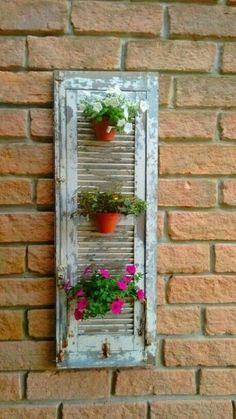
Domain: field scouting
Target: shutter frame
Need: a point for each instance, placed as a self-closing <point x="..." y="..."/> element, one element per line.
<point x="66" y="85"/>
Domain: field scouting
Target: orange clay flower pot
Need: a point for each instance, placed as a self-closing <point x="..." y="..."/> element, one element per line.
<point x="101" y="130"/>
<point x="106" y="221"/>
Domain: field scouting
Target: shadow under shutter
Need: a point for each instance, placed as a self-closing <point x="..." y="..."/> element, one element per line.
<point x="83" y="162"/>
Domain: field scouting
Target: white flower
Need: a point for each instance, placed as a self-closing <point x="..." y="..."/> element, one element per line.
<point x="114" y="101"/>
<point x="114" y="90"/>
<point x="143" y="106"/>
<point x="128" y="127"/>
<point x="82" y="106"/>
<point x="121" y="122"/>
<point x="97" y="107"/>
<point x="126" y="113"/>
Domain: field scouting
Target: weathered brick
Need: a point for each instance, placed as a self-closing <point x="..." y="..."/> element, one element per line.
<point x="28" y="412"/>
<point x="12" y="260"/>
<point x="27" y="355"/>
<point x="45" y="192"/>
<point x="160" y="225"/>
<point x="187" y="125"/>
<point x="218" y="382"/>
<point x="220" y="320"/>
<point x="178" y="321"/>
<point x="116" y="17"/>
<point x="74" y="53"/>
<point x="142" y="382"/>
<point x="10" y="325"/>
<point x="13" y="123"/>
<point x="198" y="159"/>
<point x="195" y="409"/>
<point x="10" y="385"/>
<point x="229" y="61"/>
<point x="26" y="227"/>
<point x="105" y="411"/>
<point x="183" y="258"/>
<point x="26" y="88"/>
<point x="200" y="21"/>
<point x="229" y="192"/>
<point x="206" y="91"/>
<point x="50" y="386"/>
<point x="26" y="16"/>
<point x="202" y="225"/>
<point x="186" y="193"/>
<point x="228" y="126"/>
<point x="41" y="123"/>
<point x="170" y="55"/>
<point x="12" y="52"/>
<point x="186" y="352"/>
<point x="16" y="192"/>
<point x="202" y="289"/>
<point x="41" y="323"/>
<point x="161" y="294"/>
<point x="41" y="259"/>
<point x="26" y="159"/>
<point x="225" y="256"/>
<point x="164" y="83"/>
<point x="25" y="291"/>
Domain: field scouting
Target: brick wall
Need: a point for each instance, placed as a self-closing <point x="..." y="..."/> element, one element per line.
<point x="193" y="46"/>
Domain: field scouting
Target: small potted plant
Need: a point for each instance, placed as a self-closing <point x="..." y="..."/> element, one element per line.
<point x="111" y="113"/>
<point x="106" y="207"/>
<point x="99" y="291"/>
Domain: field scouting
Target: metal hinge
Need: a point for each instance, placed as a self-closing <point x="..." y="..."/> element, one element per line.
<point x="61" y="275"/>
<point x="60" y="179"/>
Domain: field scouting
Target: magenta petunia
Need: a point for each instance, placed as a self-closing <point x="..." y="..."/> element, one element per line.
<point x="131" y="269"/>
<point x="140" y="294"/>
<point x="122" y="285"/>
<point x="80" y="293"/>
<point x="126" y="278"/>
<point x="88" y="270"/>
<point x="67" y="286"/>
<point x="82" y="304"/>
<point x="116" y="306"/>
<point x="78" y="315"/>
<point x="104" y="272"/>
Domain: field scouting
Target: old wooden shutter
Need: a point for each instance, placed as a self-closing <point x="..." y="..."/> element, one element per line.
<point x="81" y="161"/>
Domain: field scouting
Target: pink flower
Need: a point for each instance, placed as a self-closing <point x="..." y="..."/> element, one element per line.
<point x="122" y="285"/>
<point x="131" y="269"/>
<point x="126" y="278"/>
<point x="78" y="315"/>
<point x="80" y="293"/>
<point x="116" y="306"/>
<point x="88" y="270"/>
<point x="82" y="304"/>
<point x="67" y="285"/>
<point x="140" y="294"/>
<point x="104" y="272"/>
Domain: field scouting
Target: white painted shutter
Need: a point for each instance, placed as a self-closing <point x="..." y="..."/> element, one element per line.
<point x="83" y="162"/>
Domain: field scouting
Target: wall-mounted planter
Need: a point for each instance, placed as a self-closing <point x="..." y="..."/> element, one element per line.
<point x="102" y="132"/>
<point x="106" y="222"/>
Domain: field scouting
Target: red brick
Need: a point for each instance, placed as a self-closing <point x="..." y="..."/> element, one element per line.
<point x="228" y="126"/>
<point x="26" y="227"/>
<point x="200" y="21"/>
<point x="187" y="125"/>
<point x="198" y="159"/>
<point x="105" y="411"/>
<point x="10" y="384"/>
<point x="186" y="193"/>
<point x="220" y="320"/>
<point x="12" y="260"/>
<point x="218" y="382"/>
<point x="50" y="386"/>
<point x="225" y="256"/>
<point x="160" y="225"/>
<point x="170" y="55"/>
<point x="206" y="91"/>
<point x="25" y="291"/>
<point x="183" y="258"/>
<point x="161" y="285"/>
<point x="164" y="86"/>
<point x="28" y="412"/>
<point x="41" y="123"/>
<point x="12" y="53"/>
<point x="45" y="192"/>
<point x="26" y="88"/>
<point x="41" y="323"/>
<point x="202" y="289"/>
<point x="178" y="321"/>
<point x="41" y="259"/>
<point x="229" y="61"/>
<point x="186" y="352"/>
<point x="195" y="409"/>
<point x="26" y="159"/>
<point x="229" y="192"/>
<point x="141" y="382"/>
<point x="220" y="225"/>
<point x="13" y="123"/>
<point x="16" y="192"/>
<point x="26" y="16"/>
<point x="10" y="325"/>
<point x="115" y="17"/>
<point x="27" y="355"/>
<point x="74" y="53"/>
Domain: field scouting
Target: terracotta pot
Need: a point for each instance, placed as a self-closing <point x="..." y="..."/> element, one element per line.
<point x="101" y="130"/>
<point x="106" y="221"/>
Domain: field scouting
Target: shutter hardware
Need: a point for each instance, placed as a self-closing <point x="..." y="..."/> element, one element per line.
<point x="106" y="349"/>
<point x="60" y="275"/>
